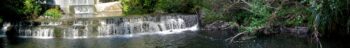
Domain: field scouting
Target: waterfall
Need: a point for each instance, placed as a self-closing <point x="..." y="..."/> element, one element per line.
<point x="4" y="28"/>
<point x="111" y="27"/>
<point x="139" y="27"/>
<point x="50" y="23"/>
<point x="74" y="33"/>
<point x="37" y="33"/>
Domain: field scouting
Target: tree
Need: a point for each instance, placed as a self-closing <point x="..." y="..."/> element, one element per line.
<point x="14" y="10"/>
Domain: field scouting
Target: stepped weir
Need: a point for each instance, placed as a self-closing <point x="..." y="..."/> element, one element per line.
<point x="107" y="27"/>
<point x="95" y="19"/>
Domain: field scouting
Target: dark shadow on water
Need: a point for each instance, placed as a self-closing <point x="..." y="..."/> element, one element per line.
<point x="336" y="42"/>
<point x="275" y="41"/>
<point x="3" y="42"/>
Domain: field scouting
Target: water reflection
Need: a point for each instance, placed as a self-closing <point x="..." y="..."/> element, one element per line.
<point x="183" y="40"/>
<point x="188" y="39"/>
<point x="278" y="41"/>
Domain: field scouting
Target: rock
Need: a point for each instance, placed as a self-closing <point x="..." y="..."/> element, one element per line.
<point x="298" y="31"/>
<point x="218" y="25"/>
<point x="290" y="31"/>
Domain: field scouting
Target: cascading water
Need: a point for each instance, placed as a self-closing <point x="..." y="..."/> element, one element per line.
<point x="37" y="33"/>
<point x="87" y="27"/>
<point x="4" y="28"/>
<point x="111" y="27"/>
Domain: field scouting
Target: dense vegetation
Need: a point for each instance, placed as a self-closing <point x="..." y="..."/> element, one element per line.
<point x="158" y="6"/>
<point x="325" y="16"/>
<point x="329" y="17"/>
<point x="333" y="17"/>
<point x="53" y="12"/>
<point x="257" y="14"/>
<point x="19" y="9"/>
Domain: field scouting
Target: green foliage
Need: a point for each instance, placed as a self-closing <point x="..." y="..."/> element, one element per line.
<point x="211" y="16"/>
<point x="259" y="8"/>
<point x="296" y="16"/>
<point x="255" y="17"/>
<point x="175" y="6"/>
<point x="138" y="6"/>
<point x="328" y="15"/>
<point x="58" y="32"/>
<point x="31" y="7"/>
<point x="159" y="6"/>
<point x="20" y="9"/>
<point x="53" y="12"/>
<point x="256" y="14"/>
<point x="331" y="15"/>
<point x="295" y="21"/>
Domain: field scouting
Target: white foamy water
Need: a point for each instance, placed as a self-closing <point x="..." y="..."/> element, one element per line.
<point x="4" y="28"/>
<point x="42" y="33"/>
<point x="109" y="27"/>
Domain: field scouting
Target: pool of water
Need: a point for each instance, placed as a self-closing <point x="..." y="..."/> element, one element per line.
<point x="188" y="39"/>
<point x="178" y="31"/>
<point x="276" y="42"/>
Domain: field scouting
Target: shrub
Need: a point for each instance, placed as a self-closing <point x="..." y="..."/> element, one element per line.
<point x="31" y="7"/>
<point x="53" y="12"/>
<point x="256" y="14"/>
<point x="138" y="6"/>
<point x="211" y="16"/>
<point x="161" y="6"/>
<point x="20" y="9"/>
<point x="175" y="6"/>
<point x="332" y="16"/>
